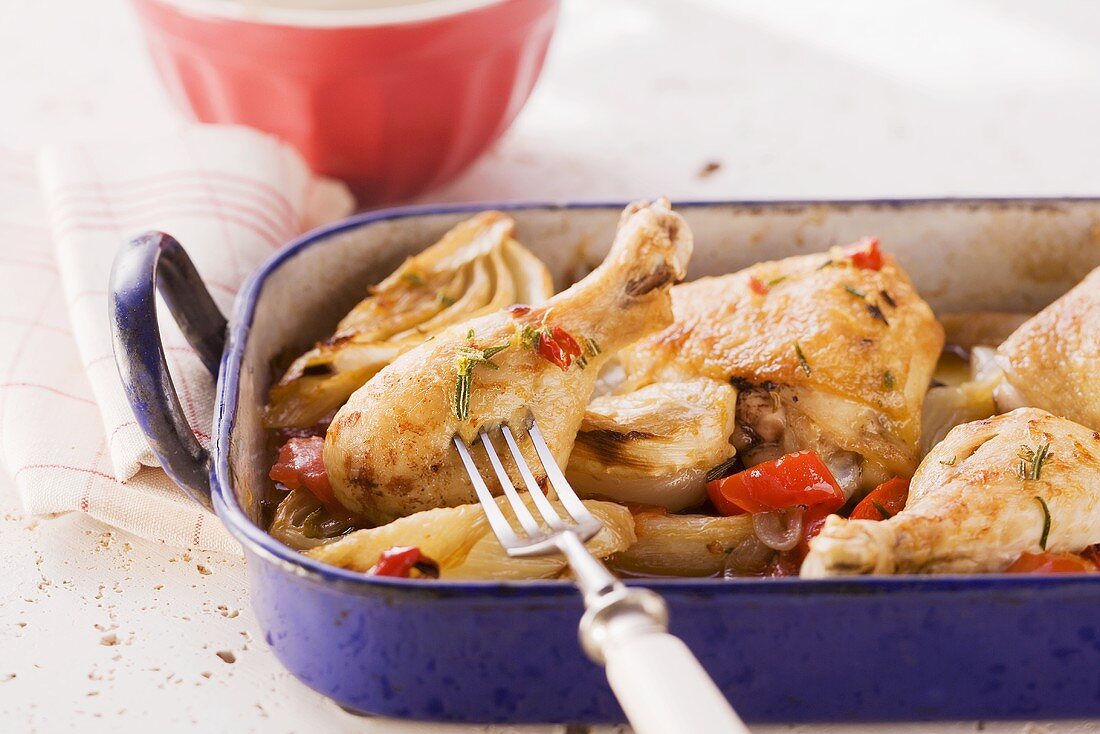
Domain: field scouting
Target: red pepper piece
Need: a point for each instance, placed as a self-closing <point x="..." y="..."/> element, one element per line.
<point x="801" y="478"/>
<point x="866" y="254"/>
<point x="397" y="562"/>
<point x="558" y="346"/>
<point x="813" y="519"/>
<point x="301" y="463"/>
<point x="890" y="496"/>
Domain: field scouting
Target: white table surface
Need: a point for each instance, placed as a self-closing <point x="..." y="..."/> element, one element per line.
<point x="100" y="631"/>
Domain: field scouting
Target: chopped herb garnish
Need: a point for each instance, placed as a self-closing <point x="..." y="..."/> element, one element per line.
<point x="412" y="278"/>
<point x="590" y="349"/>
<point x="877" y="313"/>
<point x="468" y="358"/>
<point x="888" y="298"/>
<point x="776" y="281"/>
<point x="886" y="514"/>
<point x="446" y="300"/>
<point x="1031" y="461"/>
<point x="888" y="380"/>
<point x="827" y="264"/>
<point x="528" y="336"/>
<point x="490" y="352"/>
<point x="950" y="462"/>
<point x="855" y="291"/>
<point x="724" y="469"/>
<point x="802" y="358"/>
<point x="461" y="405"/>
<point x="469" y="335"/>
<point x="1046" y="522"/>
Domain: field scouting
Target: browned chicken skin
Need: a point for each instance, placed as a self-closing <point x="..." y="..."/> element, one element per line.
<point x="389" y="450"/>
<point x="1053" y="360"/>
<point x="844" y="355"/>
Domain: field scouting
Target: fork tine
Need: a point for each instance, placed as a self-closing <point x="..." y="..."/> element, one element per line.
<point x="518" y="506"/>
<point x="566" y="495"/>
<point x="497" y="521"/>
<point x="548" y="512"/>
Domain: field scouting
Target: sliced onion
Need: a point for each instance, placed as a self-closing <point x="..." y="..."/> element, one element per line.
<point x="750" y="557"/>
<point x="780" y="529"/>
<point x="1007" y="398"/>
<point x="947" y="407"/>
<point x="760" y="454"/>
<point x="846" y="469"/>
<point x="983" y="364"/>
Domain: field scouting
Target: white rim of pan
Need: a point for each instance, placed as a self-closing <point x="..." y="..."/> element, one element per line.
<point x="245" y="11"/>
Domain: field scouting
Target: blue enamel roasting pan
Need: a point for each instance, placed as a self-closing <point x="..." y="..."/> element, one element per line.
<point x="783" y="650"/>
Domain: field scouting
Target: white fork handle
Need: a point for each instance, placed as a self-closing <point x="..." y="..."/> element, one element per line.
<point x="662" y="687"/>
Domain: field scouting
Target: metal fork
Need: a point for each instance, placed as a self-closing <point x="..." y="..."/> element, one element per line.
<point x="660" y="685"/>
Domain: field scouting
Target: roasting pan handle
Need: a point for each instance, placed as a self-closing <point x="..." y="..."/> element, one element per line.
<point x="148" y="263"/>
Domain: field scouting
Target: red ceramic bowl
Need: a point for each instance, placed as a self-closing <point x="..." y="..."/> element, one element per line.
<point x="393" y="100"/>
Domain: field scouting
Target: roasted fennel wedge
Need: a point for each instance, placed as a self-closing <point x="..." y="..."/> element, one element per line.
<point x="460" y="541"/>
<point x="302" y="522"/>
<point x="477" y="268"/>
<point x="654" y="445"/>
<point x="681" y="545"/>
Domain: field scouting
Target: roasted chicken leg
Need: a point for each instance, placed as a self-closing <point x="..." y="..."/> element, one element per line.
<point x="389" y="450"/>
<point x="477" y="268"/>
<point x="1053" y="360"/>
<point x="1025" y="481"/>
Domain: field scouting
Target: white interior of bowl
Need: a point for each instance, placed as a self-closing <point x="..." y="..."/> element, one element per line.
<point x="328" y="13"/>
<point x="962" y="256"/>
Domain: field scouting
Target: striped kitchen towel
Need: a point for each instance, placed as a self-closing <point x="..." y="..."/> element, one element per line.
<point x="232" y="197"/>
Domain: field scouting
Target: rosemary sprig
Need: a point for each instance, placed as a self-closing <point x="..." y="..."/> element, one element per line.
<point x="468" y="358"/>
<point x="412" y="279"/>
<point x="855" y="291"/>
<point x="876" y="313"/>
<point x="776" y="281"/>
<point x="888" y="380"/>
<point x="886" y="514"/>
<point x="489" y="352"/>
<point x="1031" y="461"/>
<point x="461" y="406"/>
<point x="590" y="348"/>
<point x="724" y="469"/>
<point x="802" y="358"/>
<point x="1046" y="522"/>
